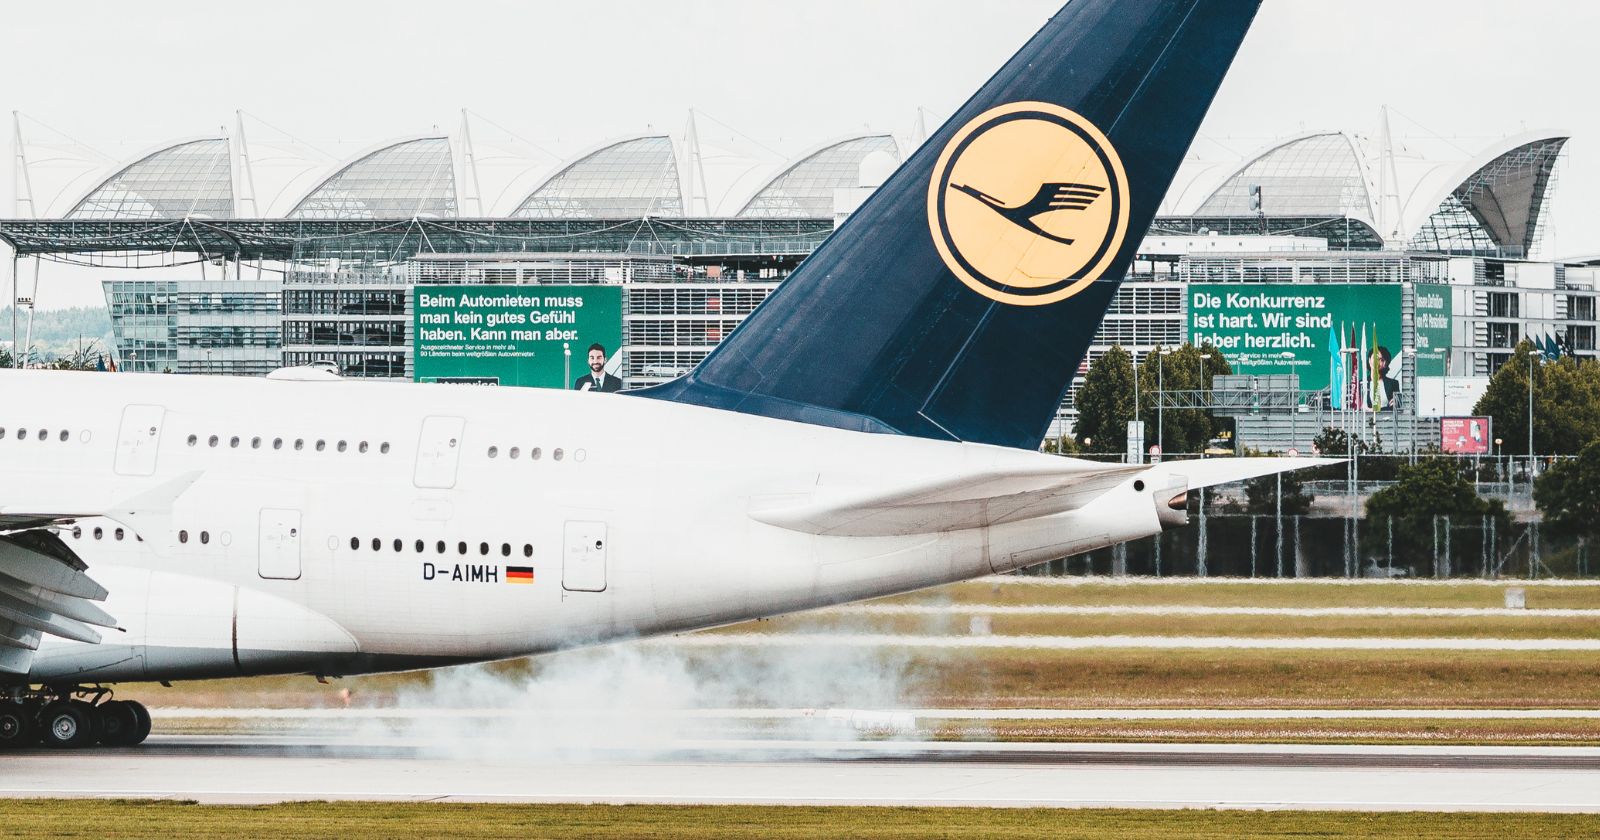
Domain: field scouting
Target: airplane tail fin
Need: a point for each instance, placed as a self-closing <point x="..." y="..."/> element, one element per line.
<point x="958" y="302"/>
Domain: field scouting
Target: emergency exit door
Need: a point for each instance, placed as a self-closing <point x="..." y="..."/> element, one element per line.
<point x="280" y="544"/>
<point x="138" y="439"/>
<point x="583" y="563"/>
<point x="439" y="452"/>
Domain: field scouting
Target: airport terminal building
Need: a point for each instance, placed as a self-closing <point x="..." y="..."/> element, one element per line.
<point x="1314" y="241"/>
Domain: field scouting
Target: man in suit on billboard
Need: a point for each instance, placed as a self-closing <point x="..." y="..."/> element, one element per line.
<point x="596" y="379"/>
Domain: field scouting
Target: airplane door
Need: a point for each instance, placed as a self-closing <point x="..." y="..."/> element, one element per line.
<point x="583" y="562"/>
<point x="139" y="439"/>
<point x="280" y="544"/>
<point x="439" y="452"/>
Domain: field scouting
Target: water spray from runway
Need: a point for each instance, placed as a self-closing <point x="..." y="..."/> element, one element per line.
<point x="643" y="700"/>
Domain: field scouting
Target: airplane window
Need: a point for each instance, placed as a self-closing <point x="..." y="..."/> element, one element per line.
<point x="384" y="449"/>
<point x="3" y="434"/>
<point x="233" y="443"/>
<point x="277" y="443"/>
<point x="534" y="453"/>
<point x="194" y="439"/>
<point x="556" y="454"/>
<point x="213" y="441"/>
<point x="461" y="547"/>
<point x="398" y="545"/>
<point x="505" y="549"/>
<point x="363" y="447"/>
<point x="22" y="434"/>
<point x="99" y="532"/>
<point x="118" y="534"/>
<point x="44" y="434"/>
<point x="483" y="548"/>
<point x="377" y="544"/>
<point x="420" y="546"/>
<point x="77" y="532"/>
<point x="355" y="543"/>
<point x="514" y="453"/>
<point x="440" y="546"/>
<point x="299" y="444"/>
<point x="321" y="445"/>
<point x="527" y="550"/>
<point x="64" y="435"/>
<point x="183" y="536"/>
<point x="343" y="446"/>
<point x="205" y="537"/>
<point x="255" y="443"/>
<point x="493" y="451"/>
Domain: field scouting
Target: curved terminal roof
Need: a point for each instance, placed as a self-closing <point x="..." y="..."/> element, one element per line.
<point x="401" y="180"/>
<point x="1317" y="174"/>
<point x="624" y="179"/>
<point x="804" y="187"/>
<point x="191" y="178"/>
<point x="1492" y="204"/>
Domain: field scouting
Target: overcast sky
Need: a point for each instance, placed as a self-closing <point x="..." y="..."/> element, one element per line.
<point x="121" y="76"/>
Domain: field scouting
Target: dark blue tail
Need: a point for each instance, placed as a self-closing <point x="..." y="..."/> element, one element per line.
<point x="959" y="300"/>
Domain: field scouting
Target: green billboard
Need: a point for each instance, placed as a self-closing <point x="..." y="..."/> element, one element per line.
<point x="1287" y="328"/>
<point x="1433" y="315"/>
<point x="533" y="336"/>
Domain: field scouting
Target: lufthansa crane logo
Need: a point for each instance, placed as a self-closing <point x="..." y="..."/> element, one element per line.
<point x="1028" y="203"/>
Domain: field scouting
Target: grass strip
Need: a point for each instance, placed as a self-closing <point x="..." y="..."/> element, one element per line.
<point x="1228" y="594"/>
<point x="166" y="819"/>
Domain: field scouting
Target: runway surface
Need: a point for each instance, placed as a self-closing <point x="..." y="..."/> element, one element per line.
<point x="273" y="768"/>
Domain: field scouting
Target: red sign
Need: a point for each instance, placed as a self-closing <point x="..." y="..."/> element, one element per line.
<point x="1465" y="435"/>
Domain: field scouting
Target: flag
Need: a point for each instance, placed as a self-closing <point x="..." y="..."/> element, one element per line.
<point x="100" y="362"/>
<point x="111" y="364"/>
<point x="519" y="574"/>
<point x="1379" y="397"/>
<point x="1335" y="370"/>
<point x="1363" y="373"/>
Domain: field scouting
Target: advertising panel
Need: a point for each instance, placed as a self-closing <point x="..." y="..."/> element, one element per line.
<point x="1433" y="323"/>
<point x="1269" y="328"/>
<point x="1465" y="435"/>
<point x="532" y="336"/>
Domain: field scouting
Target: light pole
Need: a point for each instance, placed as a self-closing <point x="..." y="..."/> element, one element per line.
<point x="1161" y="390"/>
<point x="1138" y="450"/>
<point x="1530" y="420"/>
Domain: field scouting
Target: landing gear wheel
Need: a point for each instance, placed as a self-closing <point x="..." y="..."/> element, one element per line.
<point x="16" y="726"/>
<point x="67" y="725"/>
<point x="119" y="723"/>
<point x="143" y="730"/>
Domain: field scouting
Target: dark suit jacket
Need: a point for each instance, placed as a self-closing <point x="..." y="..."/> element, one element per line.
<point x="586" y="383"/>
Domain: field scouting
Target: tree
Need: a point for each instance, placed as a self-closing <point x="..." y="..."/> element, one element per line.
<point x="1566" y="403"/>
<point x="1261" y="494"/>
<point x="1431" y="487"/>
<point x="1105" y="403"/>
<point x="1186" y="368"/>
<point x="1568" y="494"/>
<point x="5" y="358"/>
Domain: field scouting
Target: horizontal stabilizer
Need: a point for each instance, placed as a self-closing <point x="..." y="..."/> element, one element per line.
<point x="972" y="500"/>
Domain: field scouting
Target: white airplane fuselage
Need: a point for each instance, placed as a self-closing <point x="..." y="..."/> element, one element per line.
<point x="345" y="527"/>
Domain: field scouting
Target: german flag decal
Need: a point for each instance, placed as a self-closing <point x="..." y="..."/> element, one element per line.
<point x="519" y="574"/>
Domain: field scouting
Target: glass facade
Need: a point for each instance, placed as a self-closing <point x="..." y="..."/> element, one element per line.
<point x="406" y="180"/>
<point x="626" y="180"/>
<point x="805" y="190"/>
<point x="190" y="179"/>
<point x="1317" y="175"/>
<point x="1498" y="210"/>
<point x="228" y="327"/>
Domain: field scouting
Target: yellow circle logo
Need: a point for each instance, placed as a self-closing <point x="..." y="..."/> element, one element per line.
<point x="1028" y="203"/>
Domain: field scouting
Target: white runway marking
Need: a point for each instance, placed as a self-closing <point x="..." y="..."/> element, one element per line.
<point x="1089" y="642"/>
<point x="1303" y="612"/>
<point x="176" y="712"/>
<point x="271" y="769"/>
<point x="1082" y="580"/>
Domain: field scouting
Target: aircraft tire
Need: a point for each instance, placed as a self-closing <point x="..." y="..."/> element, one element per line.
<point x="17" y="727"/>
<point x="119" y="723"/>
<point x="142" y="731"/>
<point x="67" y="725"/>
